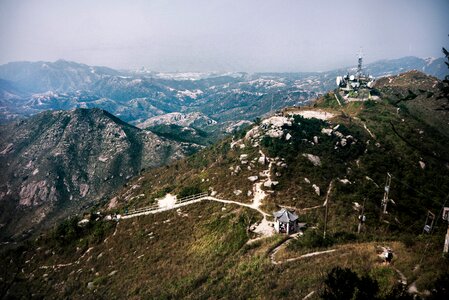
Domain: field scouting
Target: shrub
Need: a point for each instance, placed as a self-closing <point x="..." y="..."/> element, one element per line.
<point x="346" y="284"/>
<point x="188" y="191"/>
<point x="344" y="236"/>
<point x="340" y="284"/>
<point x="441" y="288"/>
<point x="67" y="231"/>
<point x="311" y="239"/>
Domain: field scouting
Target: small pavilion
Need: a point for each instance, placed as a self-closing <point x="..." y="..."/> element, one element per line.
<point x="286" y="221"/>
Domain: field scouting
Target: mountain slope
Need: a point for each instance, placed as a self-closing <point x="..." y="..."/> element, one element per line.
<point x="420" y="95"/>
<point x="58" y="76"/>
<point x="301" y="159"/>
<point x="56" y="163"/>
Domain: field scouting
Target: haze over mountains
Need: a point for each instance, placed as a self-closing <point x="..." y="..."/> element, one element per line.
<point x="27" y="88"/>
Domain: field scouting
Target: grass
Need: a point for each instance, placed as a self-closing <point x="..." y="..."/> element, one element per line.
<point x="202" y="252"/>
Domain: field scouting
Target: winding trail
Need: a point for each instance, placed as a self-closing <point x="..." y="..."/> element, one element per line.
<point x="285" y="243"/>
<point x="264" y="227"/>
<point x="177" y="205"/>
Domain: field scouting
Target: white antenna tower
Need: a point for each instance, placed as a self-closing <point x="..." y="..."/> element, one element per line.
<point x="360" y="63"/>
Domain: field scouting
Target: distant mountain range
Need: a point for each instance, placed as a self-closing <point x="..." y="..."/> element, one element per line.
<point x="27" y="88"/>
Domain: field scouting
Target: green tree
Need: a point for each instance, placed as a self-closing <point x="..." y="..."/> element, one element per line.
<point x="340" y="284"/>
<point x="441" y="288"/>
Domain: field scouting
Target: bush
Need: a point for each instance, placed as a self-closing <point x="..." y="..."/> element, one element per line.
<point x="441" y="288"/>
<point x="67" y="231"/>
<point x="311" y="239"/>
<point x="344" y="236"/>
<point x="340" y="284"/>
<point x="188" y="191"/>
<point x="408" y="240"/>
<point x="369" y="103"/>
<point x="346" y="284"/>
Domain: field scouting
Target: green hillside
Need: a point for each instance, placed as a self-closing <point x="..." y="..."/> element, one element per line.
<point x="209" y="249"/>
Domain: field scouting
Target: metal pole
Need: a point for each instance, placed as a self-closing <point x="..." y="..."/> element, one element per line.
<point x="325" y="220"/>
<point x="386" y="194"/>
<point x="446" y="241"/>
<point x="327" y="209"/>
<point x="361" y="217"/>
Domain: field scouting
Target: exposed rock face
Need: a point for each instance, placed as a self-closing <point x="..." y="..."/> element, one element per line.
<point x="195" y="119"/>
<point x="71" y="159"/>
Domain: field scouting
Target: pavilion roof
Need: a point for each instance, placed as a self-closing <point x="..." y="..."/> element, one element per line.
<point x="285" y="216"/>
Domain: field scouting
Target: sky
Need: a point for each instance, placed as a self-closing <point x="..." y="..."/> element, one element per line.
<point x="212" y="35"/>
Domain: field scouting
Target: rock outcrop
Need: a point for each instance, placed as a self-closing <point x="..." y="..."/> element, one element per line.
<point x="70" y="160"/>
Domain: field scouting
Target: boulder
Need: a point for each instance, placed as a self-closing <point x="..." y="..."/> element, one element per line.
<point x="316" y="188"/>
<point x="327" y="131"/>
<point x="253" y="178"/>
<point x="275" y="133"/>
<point x="244" y="157"/>
<point x="315" y="160"/>
<point x="422" y="164"/>
<point x="345" y="181"/>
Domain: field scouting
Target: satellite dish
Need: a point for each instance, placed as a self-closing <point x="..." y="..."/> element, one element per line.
<point x="338" y="80"/>
<point x="352" y="77"/>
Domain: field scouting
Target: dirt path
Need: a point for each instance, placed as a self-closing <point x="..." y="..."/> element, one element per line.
<point x="284" y="244"/>
<point x="177" y="205"/>
<point x="309" y="295"/>
<point x="264" y="228"/>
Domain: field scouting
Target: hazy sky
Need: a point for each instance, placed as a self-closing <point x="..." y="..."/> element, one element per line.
<point x="212" y="35"/>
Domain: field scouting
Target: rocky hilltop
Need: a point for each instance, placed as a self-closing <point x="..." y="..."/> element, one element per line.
<point x="196" y="120"/>
<point x="58" y="162"/>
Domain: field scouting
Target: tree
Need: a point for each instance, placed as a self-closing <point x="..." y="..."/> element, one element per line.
<point x="367" y="288"/>
<point x="441" y="288"/>
<point x="340" y="284"/>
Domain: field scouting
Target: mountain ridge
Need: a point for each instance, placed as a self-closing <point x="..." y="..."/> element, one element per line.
<point x="135" y="97"/>
<point x="73" y="159"/>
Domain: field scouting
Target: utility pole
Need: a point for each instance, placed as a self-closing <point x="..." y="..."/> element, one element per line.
<point x="446" y="240"/>
<point x="326" y="204"/>
<point x="362" y="217"/>
<point x="386" y="199"/>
